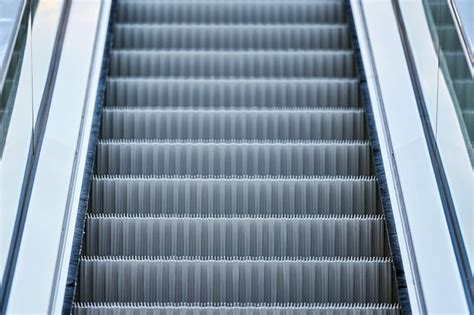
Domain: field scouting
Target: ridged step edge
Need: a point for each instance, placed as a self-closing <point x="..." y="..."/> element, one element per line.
<point x="344" y="259"/>
<point x="194" y="51"/>
<point x="148" y="216"/>
<point x="239" y="305"/>
<point x="234" y="25"/>
<point x="239" y="308"/>
<point x="242" y="79"/>
<point x="369" y="178"/>
<point x="235" y="109"/>
<point x="232" y="142"/>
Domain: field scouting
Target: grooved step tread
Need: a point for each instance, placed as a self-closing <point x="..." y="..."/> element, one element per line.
<point x="169" y="63"/>
<point x="228" y="93"/>
<point x="233" y="158"/>
<point x="296" y="195"/>
<point x="232" y="12"/>
<point x="234" y="124"/>
<point x="325" y="280"/>
<point x="232" y="36"/>
<point x="243" y="236"/>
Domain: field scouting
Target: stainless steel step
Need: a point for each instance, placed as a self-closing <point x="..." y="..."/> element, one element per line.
<point x="234" y="196"/>
<point x="233" y="124"/>
<point x="204" y="63"/>
<point x="184" y="280"/>
<point x="233" y="158"/>
<point x="213" y="11"/>
<point x="232" y="93"/>
<point x="236" y="236"/>
<point x="231" y="36"/>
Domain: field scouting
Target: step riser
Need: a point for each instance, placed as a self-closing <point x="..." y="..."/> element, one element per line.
<point x="233" y="125"/>
<point x="225" y="12"/>
<point x="232" y="159"/>
<point x="184" y="93"/>
<point x="197" y="281"/>
<point x="234" y="237"/>
<point x="232" y="64"/>
<point x="228" y="196"/>
<point x="149" y="36"/>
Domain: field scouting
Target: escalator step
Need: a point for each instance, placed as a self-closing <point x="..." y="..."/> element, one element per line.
<point x="235" y="236"/>
<point x="322" y="63"/>
<point x="235" y="309"/>
<point x="300" y="11"/>
<point x="234" y="196"/>
<point x="257" y="124"/>
<point x="232" y="93"/>
<point x="232" y="36"/>
<point x="150" y="157"/>
<point x="181" y="280"/>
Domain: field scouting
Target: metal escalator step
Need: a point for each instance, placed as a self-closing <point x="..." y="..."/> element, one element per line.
<point x="150" y="157"/>
<point x="235" y="309"/>
<point x="232" y="93"/>
<point x="300" y="11"/>
<point x="235" y="236"/>
<point x="234" y="196"/>
<point x="232" y="36"/>
<point x="325" y="280"/>
<point x="233" y="124"/>
<point x="176" y="63"/>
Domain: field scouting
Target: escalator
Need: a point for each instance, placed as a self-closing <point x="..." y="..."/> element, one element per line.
<point x="233" y="174"/>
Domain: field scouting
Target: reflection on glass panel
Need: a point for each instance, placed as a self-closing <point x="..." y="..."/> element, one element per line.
<point x="464" y="10"/>
<point x="10" y="86"/>
<point x="454" y="64"/>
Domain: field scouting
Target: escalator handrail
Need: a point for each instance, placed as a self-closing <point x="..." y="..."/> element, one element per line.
<point x="439" y="172"/>
<point x="462" y="35"/>
<point x="33" y="154"/>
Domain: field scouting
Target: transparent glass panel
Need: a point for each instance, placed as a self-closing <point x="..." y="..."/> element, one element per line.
<point x="21" y="97"/>
<point x="453" y="125"/>
<point x="453" y="62"/>
<point x="16" y="122"/>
